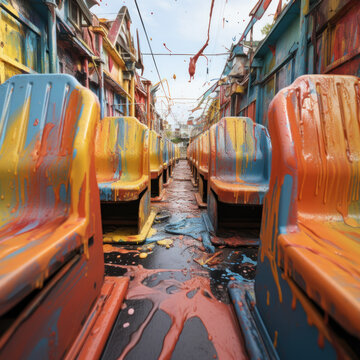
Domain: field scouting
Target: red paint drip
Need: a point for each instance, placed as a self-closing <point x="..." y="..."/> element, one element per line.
<point x="193" y="60"/>
<point x="167" y="48"/>
<point x="36" y="122"/>
<point x="272" y="49"/>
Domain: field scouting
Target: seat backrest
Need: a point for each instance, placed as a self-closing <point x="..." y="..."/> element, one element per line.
<point x="170" y="151"/>
<point x="47" y="127"/>
<point x="240" y="151"/>
<point x="121" y="150"/>
<point x="156" y="151"/>
<point x="204" y="152"/>
<point x="314" y="126"/>
<point x="173" y="151"/>
<point x="196" y="152"/>
<point x="166" y="152"/>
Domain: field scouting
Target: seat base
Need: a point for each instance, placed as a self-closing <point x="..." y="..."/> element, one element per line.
<point x="160" y="197"/>
<point x="233" y="216"/>
<point x="323" y="259"/>
<point x="156" y="186"/>
<point x="194" y="178"/>
<point x="291" y="320"/>
<point x="200" y="203"/>
<point x="56" y="311"/>
<point x="165" y="175"/>
<point x="203" y="184"/>
<point x="168" y="182"/>
<point x="130" y="235"/>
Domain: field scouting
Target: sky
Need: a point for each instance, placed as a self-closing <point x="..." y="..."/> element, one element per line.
<point x="182" y="26"/>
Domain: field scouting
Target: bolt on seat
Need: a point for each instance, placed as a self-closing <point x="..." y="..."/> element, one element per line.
<point x="239" y="172"/>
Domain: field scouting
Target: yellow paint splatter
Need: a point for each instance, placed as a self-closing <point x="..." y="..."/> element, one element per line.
<point x="165" y="242"/>
<point x="151" y="233"/>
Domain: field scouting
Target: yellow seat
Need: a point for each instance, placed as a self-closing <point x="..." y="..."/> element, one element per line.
<point x="156" y="165"/>
<point x="122" y="159"/>
<point x="156" y="154"/>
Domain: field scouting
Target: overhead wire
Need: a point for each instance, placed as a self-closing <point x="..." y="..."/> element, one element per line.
<point x="185" y="54"/>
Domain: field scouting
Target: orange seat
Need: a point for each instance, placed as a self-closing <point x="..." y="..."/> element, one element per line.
<point x="313" y="202"/>
<point x="204" y="155"/>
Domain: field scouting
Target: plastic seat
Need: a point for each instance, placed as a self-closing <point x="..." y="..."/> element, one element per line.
<point x="177" y="152"/>
<point x="171" y="157"/>
<point x="240" y="156"/>
<point x="156" y="163"/>
<point x="50" y="213"/>
<point x="195" y="161"/>
<point x="204" y="155"/>
<point x="173" y="153"/>
<point x="314" y="192"/>
<point x="122" y="158"/>
<point x="156" y="154"/>
<point x="203" y="169"/>
<point x="239" y="172"/>
<point x="166" y="161"/>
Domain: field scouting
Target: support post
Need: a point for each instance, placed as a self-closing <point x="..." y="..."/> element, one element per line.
<point x="51" y="4"/>
<point x="101" y="80"/>
<point x="132" y="93"/>
<point x="86" y="69"/>
<point x="301" y="58"/>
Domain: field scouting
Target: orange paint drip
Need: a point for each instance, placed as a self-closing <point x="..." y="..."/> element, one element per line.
<point x="275" y="339"/>
<point x="179" y="307"/>
<point x="314" y="126"/>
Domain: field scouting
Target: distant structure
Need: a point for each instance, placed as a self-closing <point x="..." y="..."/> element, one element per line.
<point x="65" y="37"/>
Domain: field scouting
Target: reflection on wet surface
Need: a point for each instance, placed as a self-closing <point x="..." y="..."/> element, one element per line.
<point x="177" y="305"/>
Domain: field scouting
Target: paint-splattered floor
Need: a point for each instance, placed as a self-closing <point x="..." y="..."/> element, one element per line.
<point x="177" y="308"/>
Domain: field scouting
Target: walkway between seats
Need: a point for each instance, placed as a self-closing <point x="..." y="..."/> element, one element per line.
<point x="175" y="307"/>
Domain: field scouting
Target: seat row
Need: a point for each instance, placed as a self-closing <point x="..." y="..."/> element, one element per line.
<point x="230" y="164"/>
<point x="60" y="168"/>
<point x="307" y="284"/>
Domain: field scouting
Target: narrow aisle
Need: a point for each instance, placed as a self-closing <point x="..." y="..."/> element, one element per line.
<point x="176" y="308"/>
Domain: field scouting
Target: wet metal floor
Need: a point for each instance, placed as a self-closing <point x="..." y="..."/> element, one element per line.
<point x="177" y="306"/>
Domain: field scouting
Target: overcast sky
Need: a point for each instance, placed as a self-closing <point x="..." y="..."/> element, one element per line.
<point x="182" y="26"/>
